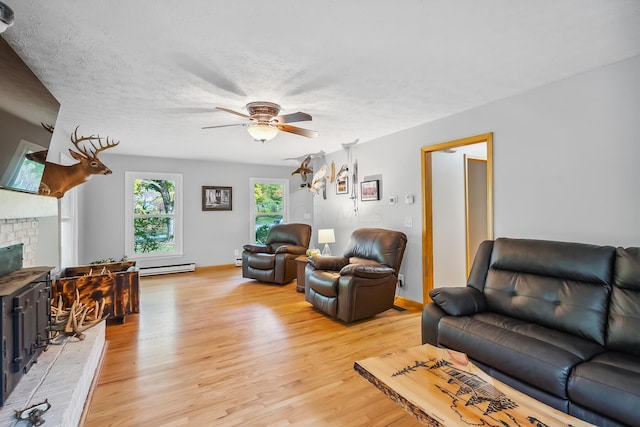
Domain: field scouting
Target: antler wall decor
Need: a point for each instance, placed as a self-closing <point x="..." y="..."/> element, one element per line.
<point x="58" y="179"/>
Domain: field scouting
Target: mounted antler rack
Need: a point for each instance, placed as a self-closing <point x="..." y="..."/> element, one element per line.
<point x="58" y="179"/>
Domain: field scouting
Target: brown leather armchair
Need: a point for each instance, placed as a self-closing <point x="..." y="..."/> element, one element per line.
<point x="362" y="282"/>
<point x="274" y="262"/>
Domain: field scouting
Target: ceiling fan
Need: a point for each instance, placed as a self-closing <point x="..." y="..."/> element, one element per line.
<point x="265" y="123"/>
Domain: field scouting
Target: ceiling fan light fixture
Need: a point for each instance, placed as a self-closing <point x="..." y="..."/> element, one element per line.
<point x="262" y="131"/>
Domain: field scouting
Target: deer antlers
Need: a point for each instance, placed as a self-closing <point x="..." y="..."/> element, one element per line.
<point x="75" y="140"/>
<point x="48" y="127"/>
<point x="71" y="321"/>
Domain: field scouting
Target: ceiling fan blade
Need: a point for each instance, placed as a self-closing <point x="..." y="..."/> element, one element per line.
<point x="223" y="126"/>
<point x="293" y="117"/>
<point x="234" y="112"/>
<point x="298" y="131"/>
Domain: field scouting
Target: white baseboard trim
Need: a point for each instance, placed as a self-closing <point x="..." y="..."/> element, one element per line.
<point x="167" y="269"/>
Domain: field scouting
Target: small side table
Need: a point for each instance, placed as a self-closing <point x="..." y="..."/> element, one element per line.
<point x="301" y="264"/>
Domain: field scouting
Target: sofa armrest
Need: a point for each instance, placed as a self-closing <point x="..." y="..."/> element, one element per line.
<point x="367" y="271"/>
<point x="258" y="248"/>
<point x="459" y="301"/>
<point x="333" y="263"/>
<point x="291" y="249"/>
<point x="431" y="315"/>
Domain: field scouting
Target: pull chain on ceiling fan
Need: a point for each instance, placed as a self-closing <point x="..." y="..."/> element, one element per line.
<point x="265" y="123"/>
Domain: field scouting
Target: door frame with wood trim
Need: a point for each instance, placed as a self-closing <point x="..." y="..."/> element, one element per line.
<point x="427" y="201"/>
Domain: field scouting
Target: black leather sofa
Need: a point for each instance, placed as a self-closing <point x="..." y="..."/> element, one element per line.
<point x="556" y="320"/>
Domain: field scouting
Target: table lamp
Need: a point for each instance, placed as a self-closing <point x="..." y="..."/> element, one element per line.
<point x="326" y="236"/>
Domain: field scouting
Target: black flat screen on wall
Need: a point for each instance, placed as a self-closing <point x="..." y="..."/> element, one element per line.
<point x="25" y="103"/>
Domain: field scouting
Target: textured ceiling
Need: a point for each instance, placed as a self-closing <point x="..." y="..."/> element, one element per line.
<point x="151" y="72"/>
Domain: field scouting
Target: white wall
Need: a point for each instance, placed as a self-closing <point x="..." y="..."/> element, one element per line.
<point x="449" y="218"/>
<point x="209" y="236"/>
<point x="565" y="167"/>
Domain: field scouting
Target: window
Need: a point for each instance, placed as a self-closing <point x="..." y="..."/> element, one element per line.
<point x="269" y="206"/>
<point x="153" y="215"/>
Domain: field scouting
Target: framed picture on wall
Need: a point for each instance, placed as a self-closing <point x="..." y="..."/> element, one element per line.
<point x="342" y="185"/>
<point x="216" y="198"/>
<point x="369" y="190"/>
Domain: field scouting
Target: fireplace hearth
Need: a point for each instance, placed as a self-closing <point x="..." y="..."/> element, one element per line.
<point x="25" y="309"/>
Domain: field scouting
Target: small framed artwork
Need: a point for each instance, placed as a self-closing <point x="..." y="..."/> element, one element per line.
<point x="342" y="185"/>
<point x="369" y="190"/>
<point x="216" y="198"/>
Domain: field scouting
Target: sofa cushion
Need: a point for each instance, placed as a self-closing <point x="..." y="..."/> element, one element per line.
<point x="296" y="234"/>
<point x="624" y="308"/>
<point x="614" y="375"/>
<point x="383" y="246"/>
<point x="574" y="261"/>
<point x="534" y="354"/>
<point x="372" y="271"/>
<point x="560" y="285"/>
<point x="324" y="282"/>
<point x="261" y="261"/>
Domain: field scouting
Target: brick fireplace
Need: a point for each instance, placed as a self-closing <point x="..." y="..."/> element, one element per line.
<point x="21" y="230"/>
<point x="33" y="221"/>
<point x="64" y="373"/>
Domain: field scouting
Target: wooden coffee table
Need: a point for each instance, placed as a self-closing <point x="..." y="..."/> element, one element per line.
<point x="441" y="387"/>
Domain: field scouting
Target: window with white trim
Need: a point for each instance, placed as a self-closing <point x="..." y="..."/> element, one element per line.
<point x="153" y="215"/>
<point x="269" y="206"/>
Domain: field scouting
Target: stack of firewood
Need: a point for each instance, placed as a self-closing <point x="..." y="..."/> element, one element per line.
<point x="75" y="320"/>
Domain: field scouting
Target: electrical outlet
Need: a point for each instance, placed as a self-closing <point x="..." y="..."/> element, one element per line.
<point x="401" y="280"/>
<point x="236" y="252"/>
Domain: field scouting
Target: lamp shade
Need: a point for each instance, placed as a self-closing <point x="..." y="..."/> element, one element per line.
<point x="326" y="235"/>
<point x="262" y="131"/>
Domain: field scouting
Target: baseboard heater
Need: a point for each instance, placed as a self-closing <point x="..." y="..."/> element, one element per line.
<point x="167" y="269"/>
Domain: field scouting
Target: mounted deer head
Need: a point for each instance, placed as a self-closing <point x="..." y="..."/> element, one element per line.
<point x="58" y="179"/>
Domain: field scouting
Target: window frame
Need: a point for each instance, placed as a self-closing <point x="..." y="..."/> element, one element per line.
<point x="130" y="178"/>
<point x="252" y="202"/>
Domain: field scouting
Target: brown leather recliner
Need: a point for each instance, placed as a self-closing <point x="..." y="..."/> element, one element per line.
<point x="274" y="262"/>
<point x="362" y="282"/>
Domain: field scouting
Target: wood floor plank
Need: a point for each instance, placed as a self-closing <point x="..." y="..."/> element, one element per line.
<point x="210" y="348"/>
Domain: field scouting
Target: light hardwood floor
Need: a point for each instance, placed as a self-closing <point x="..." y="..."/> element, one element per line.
<point x="210" y="348"/>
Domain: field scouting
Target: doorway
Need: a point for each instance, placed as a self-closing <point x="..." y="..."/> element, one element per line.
<point x="447" y="244"/>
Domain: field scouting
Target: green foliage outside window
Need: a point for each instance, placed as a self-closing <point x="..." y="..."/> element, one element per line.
<point x="154" y="215"/>
<point x="28" y="176"/>
<point x="269" y="205"/>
